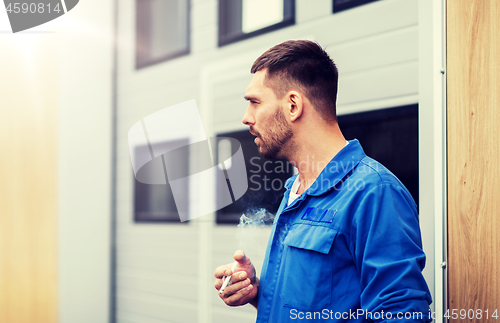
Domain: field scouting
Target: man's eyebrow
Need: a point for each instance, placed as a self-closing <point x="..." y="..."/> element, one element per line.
<point x="250" y="98"/>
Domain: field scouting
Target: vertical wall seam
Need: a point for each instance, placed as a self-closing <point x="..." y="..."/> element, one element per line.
<point x="114" y="121"/>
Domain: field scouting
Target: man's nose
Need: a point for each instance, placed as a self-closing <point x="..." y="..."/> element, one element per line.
<point x="248" y="118"/>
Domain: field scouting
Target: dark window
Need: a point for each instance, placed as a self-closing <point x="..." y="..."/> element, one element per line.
<point x="241" y="19"/>
<point x="154" y="202"/>
<point x="389" y="136"/>
<point x="339" y="5"/>
<point x="266" y="182"/>
<point x="162" y="30"/>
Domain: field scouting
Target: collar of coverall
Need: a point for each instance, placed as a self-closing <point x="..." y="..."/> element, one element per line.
<point x="340" y="165"/>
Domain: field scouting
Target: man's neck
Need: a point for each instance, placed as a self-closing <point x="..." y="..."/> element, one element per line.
<point x="317" y="150"/>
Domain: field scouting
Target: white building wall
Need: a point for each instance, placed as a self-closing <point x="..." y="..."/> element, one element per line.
<point x="164" y="271"/>
<point x="85" y="57"/>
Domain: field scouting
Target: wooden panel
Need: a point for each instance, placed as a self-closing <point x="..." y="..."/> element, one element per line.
<point x="28" y="102"/>
<point x="473" y="81"/>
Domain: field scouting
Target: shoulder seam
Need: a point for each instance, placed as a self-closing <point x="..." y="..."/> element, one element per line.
<point x="375" y="170"/>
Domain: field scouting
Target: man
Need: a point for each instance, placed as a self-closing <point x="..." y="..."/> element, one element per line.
<point x="345" y="243"/>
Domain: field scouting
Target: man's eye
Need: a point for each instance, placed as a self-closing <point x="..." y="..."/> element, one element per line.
<point x="254" y="102"/>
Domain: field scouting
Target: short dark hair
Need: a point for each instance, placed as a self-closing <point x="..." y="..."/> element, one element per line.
<point x="304" y="65"/>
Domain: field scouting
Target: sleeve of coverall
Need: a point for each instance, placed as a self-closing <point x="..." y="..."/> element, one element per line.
<point x="387" y="247"/>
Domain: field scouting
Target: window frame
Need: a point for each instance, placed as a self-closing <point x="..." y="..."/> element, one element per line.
<point x="141" y="62"/>
<point x="138" y="215"/>
<point x="224" y="40"/>
<point x="354" y="4"/>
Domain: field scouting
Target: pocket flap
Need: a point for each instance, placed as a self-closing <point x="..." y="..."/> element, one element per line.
<point x="311" y="237"/>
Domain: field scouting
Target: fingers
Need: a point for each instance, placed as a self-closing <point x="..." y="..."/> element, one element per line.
<point x="222" y="271"/>
<point x="238" y="297"/>
<point x="235" y="278"/>
<point x="235" y="287"/>
<point x="241" y="258"/>
<point x="243" y="286"/>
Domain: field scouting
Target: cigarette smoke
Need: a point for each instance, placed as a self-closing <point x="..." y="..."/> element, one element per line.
<point x="253" y="233"/>
<point x="256" y="218"/>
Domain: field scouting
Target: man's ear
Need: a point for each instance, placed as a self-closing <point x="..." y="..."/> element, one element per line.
<point x="295" y="105"/>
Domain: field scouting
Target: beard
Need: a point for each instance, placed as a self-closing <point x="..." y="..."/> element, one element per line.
<point x="274" y="144"/>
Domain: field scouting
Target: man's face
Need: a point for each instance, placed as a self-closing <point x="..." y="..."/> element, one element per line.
<point x="266" y="118"/>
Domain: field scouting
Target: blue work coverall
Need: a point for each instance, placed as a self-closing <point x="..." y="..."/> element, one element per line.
<point x="348" y="249"/>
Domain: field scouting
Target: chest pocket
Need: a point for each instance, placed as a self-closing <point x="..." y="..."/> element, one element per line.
<point x="307" y="267"/>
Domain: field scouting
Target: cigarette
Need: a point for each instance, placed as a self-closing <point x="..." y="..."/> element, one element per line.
<point x="227" y="279"/>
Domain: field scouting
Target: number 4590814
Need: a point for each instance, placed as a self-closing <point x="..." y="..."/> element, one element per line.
<point x="32" y="8"/>
<point x="470" y="314"/>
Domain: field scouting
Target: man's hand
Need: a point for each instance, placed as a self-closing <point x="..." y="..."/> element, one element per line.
<point x="244" y="283"/>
